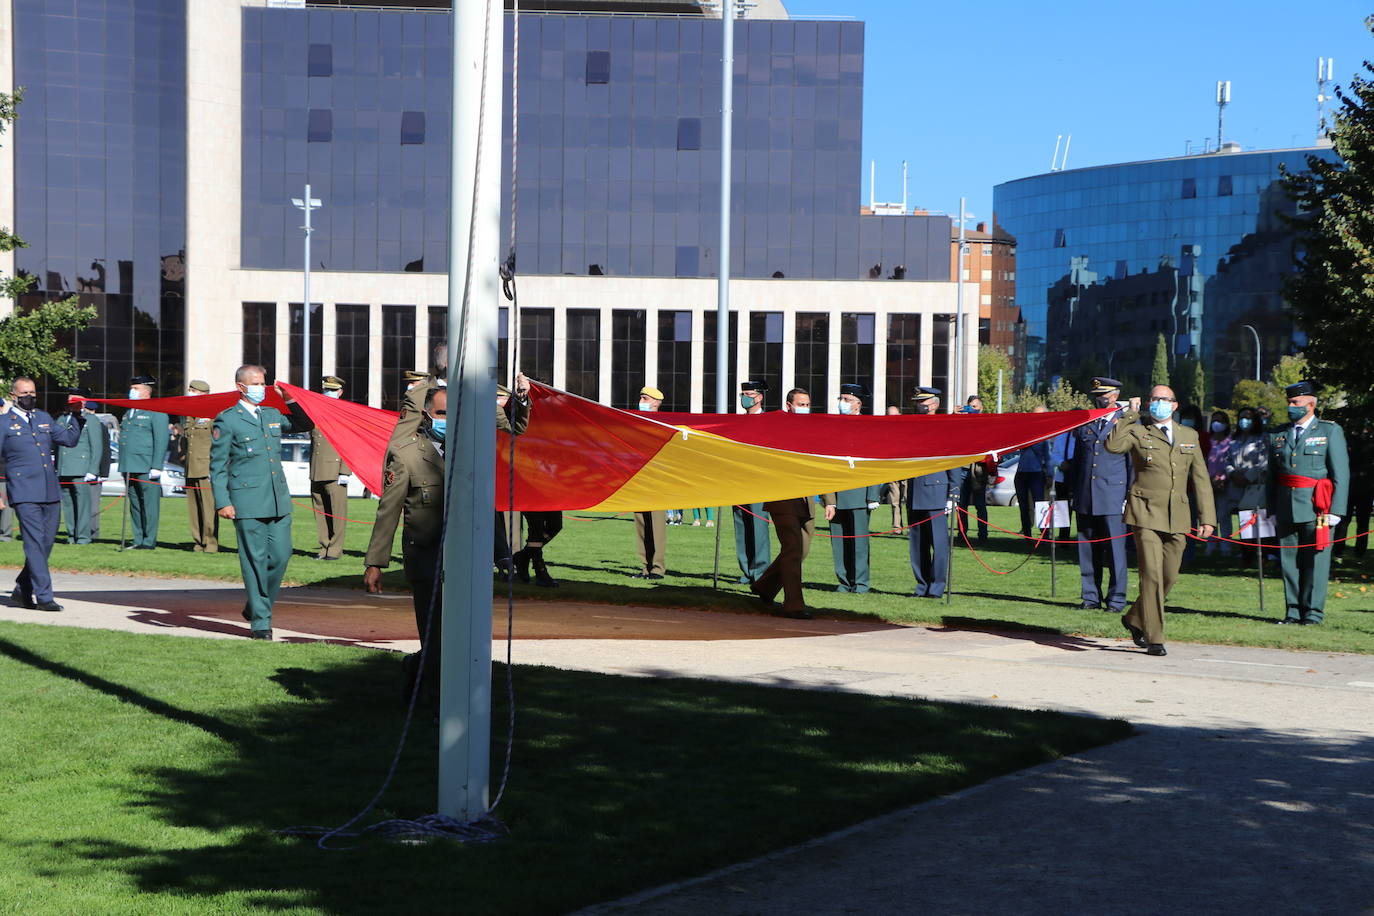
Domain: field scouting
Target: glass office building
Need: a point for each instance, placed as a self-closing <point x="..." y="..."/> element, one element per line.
<point x="1193" y="248"/>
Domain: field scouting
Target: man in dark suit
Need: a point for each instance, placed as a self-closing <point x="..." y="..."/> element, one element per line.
<point x="29" y="439"/>
<point x="927" y="497"/>
<point x="1099" y="480"/>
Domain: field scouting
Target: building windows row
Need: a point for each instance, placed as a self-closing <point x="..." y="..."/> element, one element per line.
<point x="1189" y="189"/>
<point x="319" y="127"/>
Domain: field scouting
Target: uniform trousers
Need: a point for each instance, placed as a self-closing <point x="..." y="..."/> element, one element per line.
<point x="264" y="551"/>
<point x="651" y="537"/>
<point x="6" y="517"/>
<point x="38" y="527"/>
<point x="1305" y="571"/>
<point x="849" y="545"/>
<point x="785" y="572"/>
<point x="200" y="504"/>
<point x="421" y="566"/>
<point x="145" y="505"/>
<point x="76" y="508"/>
<point x="751" y="541"/>
<point x="928" y="545"/>
<point x="1030" y="489"/>
<point x="330" y="500"/>
<point x="1097" y="554"/>
<point x="976" y="495"/>
<point x="1158" y="555"/>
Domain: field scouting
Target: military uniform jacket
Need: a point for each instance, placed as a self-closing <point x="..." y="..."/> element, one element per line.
<point x="143" y="438"/>
<point x="933" y="491"/>
<point x="858" y="498"/>
<point x="325" y="463"/>
<point x="1158" y="498"/>
<point x="198" y="434"/>
<point x="412" y="484"/>
<point x="245" y="460"/>
<point x="1099" y="478"/>
<point x="27" y="447"/>
<point x="84" y="457"/>
<point x="1320" y="453"/>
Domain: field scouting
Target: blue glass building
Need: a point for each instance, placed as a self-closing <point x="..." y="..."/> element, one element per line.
<point x="1193" y="248"/>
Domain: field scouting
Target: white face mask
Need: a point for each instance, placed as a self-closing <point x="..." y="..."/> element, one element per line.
<point x="254" y="394"/>
<point x="135" y="394"/>
<point x="334" y="393"/>
<point x="806" y="409"/>
<point x="646" y="405"/>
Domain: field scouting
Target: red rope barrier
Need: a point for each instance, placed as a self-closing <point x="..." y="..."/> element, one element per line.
<point x="846" y="537"/>
<point x="963" y="533"/>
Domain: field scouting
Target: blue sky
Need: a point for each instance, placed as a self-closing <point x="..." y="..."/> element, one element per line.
<point x="974" y="94"/>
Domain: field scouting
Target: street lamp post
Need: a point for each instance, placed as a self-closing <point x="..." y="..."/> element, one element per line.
<point x="1257" y="350"/>
<point x="306" y="204"/>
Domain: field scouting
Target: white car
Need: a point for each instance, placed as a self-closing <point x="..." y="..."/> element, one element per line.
<point x="173" y="479"/>
<point x="1003" y="491"/>
<point x="295" y="462"/>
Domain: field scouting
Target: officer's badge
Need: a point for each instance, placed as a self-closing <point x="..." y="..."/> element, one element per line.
<point x="215" y="434"/>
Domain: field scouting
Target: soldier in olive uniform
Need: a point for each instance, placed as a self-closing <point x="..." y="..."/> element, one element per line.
<point x="1309" y="486"/>
<point x="78" y="468"/>
<point x="1167" y="458"/>
<point x="847" y="512"/>
<point x="200" y="501"/>
<point x="329" y="484"/>
<point x="651" y="528"/>
<point x="143" y="438"/>
<point x="250" y="488"/>
<point x="751" y="521"/>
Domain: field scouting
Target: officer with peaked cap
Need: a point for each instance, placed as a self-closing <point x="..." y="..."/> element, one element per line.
<point x="651" y="528"/>
<point x="1309" y="487"/>
<point x="927" y="499"/>
<point x="78" y="467"/>
<point x="848" y="512"/>
<point x="197" y="432"/>
<point x="143" y="438"/>
<point x="1098" y="480"/>
<point x="751" y="521"/>
<point x="328" y="484"/>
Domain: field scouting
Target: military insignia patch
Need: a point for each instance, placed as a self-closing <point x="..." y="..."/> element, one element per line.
<point x="215" y="434"/>
<point x="390" y="477"/>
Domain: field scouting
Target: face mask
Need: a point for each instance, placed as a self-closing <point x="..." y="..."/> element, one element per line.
<point x="806" y="409"/>
<point x="1161" y="410"/>
<point x="922" y="408"/>
<point x="1188" y="423"/>
<point x="645" y="405"/>
<point x="845" y="407"/>
<point x="135" y="394"/>
<point x="255" y="393"/>
<point x="440" y="426"/>
<point x="1296" y="413"/>
<point x="746" y="401"/>
<point x="1244" y="423"/>
<point x="1218" y="427"/>
<point x="1104" y="401"/>
<point x="27" y="401"/>
<point x="334" y="393"/>
<point x="972" y="410"/>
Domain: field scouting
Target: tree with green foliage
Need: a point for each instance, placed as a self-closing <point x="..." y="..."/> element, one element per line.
<point x="1250" y="393"/>
<point x="1332" y="292"/>
<point x="991" y="361"/>
<point x="1024" y="401"/>
<point x="1159" y="372"/>
<point x="29" y="340"/>
<point x="1063" y="396"/>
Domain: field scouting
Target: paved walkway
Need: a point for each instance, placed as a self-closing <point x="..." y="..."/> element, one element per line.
<point x="1249" y="788"/>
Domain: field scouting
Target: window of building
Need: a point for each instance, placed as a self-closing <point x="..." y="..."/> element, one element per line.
<point x="1189" y="188"/>
<point x="628" y="329"/>
<point x="316" y="343"/>
<point x="320" y="60"/>
<point x="438" y="329"/>
<point x="941" y="326"/>
<point x="903" y="369"/>
<point x="675" y="359"/>
<point x="584" y="353"/>
<point x="765" y="349"/>
<point x="856" y="351"/>
<point x="412" y="128"/>
<point x="985" y="276"/>
<point x="1060" y="240"/>
<point x="536" y="344"/>
<point x="598" y="67"/>
<point x="708" y="358"/>
<point x="811" y="353"/>
<point x="1223" y="186"/>
<point x="688" y="261"/>
<point x="260" y="334"/>
<point x="987" y="249"/>
<point x="398" y="352"/>
<point x="688" y="133"/>
<point x="319" y="126"/>
<point x="351" y="350"/>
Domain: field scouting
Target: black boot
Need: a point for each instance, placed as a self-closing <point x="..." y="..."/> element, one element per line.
<point x="522" y="564"/>
<point x="541" y="572"/>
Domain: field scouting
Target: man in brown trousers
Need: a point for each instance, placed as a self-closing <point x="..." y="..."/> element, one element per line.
<point x="328" y="484"/>
<point x="200" y="501"/>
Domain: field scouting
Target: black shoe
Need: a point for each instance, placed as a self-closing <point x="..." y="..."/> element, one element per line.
<point x="1116" y="610"/>
<point x="1156" y="648"/>
<point x="797" y="615"/>
<point x="544" y="580"/>
<point x="504" y="567"/>
<point x="521" y="559"/>
<point x="639" y="575"/>
<point x="19" y="599"/>
<point x="1137" y="634"/>
<point x="1282" y="621"/>
<point x="47" y="606"/>
<point x="260" y="634"/>
<point x="1310" y="622"/>
<point x="331" y="558"/>
<point x="1089" y="606"/>
<point x="653" y="576"/>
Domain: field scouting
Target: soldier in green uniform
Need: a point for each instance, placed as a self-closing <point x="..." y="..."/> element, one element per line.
<point x="847" y="511"/>
<point x="329" y="484"/>
<point x="200" y="501"/>
<point x="1309" y="485"/>
<point x="143" y="438"/>
<point x="1167" y="458"/>
<point x="250" y="488"/>
<point x="78" y="469"/>
<point x="751" y="521"/>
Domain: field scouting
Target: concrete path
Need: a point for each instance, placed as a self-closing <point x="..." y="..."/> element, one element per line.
<point x="1249" y="788"/>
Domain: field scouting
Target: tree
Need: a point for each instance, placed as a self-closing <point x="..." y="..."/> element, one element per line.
<point x="1025" y="400"/>
<point x="990" y="362"/>
<point x="1159" y="373"/>
<point x="28" y="340"/>
<point x="1250" y="393"/>
<point x="1063" y="396"/>
<point x="1332" y="292"/>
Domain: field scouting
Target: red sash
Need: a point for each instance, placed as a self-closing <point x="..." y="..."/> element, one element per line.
<point x="1322" y="491"/>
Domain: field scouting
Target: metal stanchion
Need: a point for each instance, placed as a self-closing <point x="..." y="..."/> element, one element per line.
<point x="715" y="566"/>
<point x="124" y="515"/>
<point x="950" y="522"/>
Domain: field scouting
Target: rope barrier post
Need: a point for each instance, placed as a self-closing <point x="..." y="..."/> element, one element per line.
<point x="715" y="566"/>
<point x="1259" y="564"/>
<point x="1053" y="566"/>
<point x="124" y="515"/>
<point x="950" y="521"/>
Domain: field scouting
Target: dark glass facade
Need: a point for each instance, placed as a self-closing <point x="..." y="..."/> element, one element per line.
<point x="675" y="359"/>
<point x="709" y="404"/>
<point x="1195" y="248"/>
<point x="903" y="357"/>
<point x="584" y="353"/>
<point x="856" y="352"/>
<point x="628" y="327"/>
<point x="811" y="368"/>
<point x="351" y="350"/>
<point x="316" y="344"/>
<point x="100" y="177"/>
<point x="536" y="344"/>
<point x="618" y="152"/>
<point x="259" y="334"/>
<point x="398" y="352"/>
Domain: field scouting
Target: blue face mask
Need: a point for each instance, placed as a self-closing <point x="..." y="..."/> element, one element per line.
<point x="746" y="401"/>
<point x="1244" y="423"/>
<point x="1161" y="410"/>
<point x="806" y="409"/>
<point x="440" y="426"/>
<point x="645" y="405"/>
<point x="255" y="393"/>
<point x="1296" y="413"/>
<point x="844" y="406"/>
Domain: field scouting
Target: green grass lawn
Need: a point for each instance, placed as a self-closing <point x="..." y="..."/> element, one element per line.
<point x="148" y="775"/>
<point x="1215" y="601"/>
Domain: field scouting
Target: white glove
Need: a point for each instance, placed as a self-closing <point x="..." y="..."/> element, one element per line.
<point x="949" y="506"/>
<point x="872" y="506"/>
<point x="1332" y="521"/>
<point x="343" y="479"/>
<point x="154" y="474"/>
<point x="90" y="478"/>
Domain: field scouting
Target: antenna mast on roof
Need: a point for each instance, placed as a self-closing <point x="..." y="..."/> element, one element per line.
<point x="1054" y="157"/>
<point x="1223" y="98"/>
<point x="1324" y="74"/>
